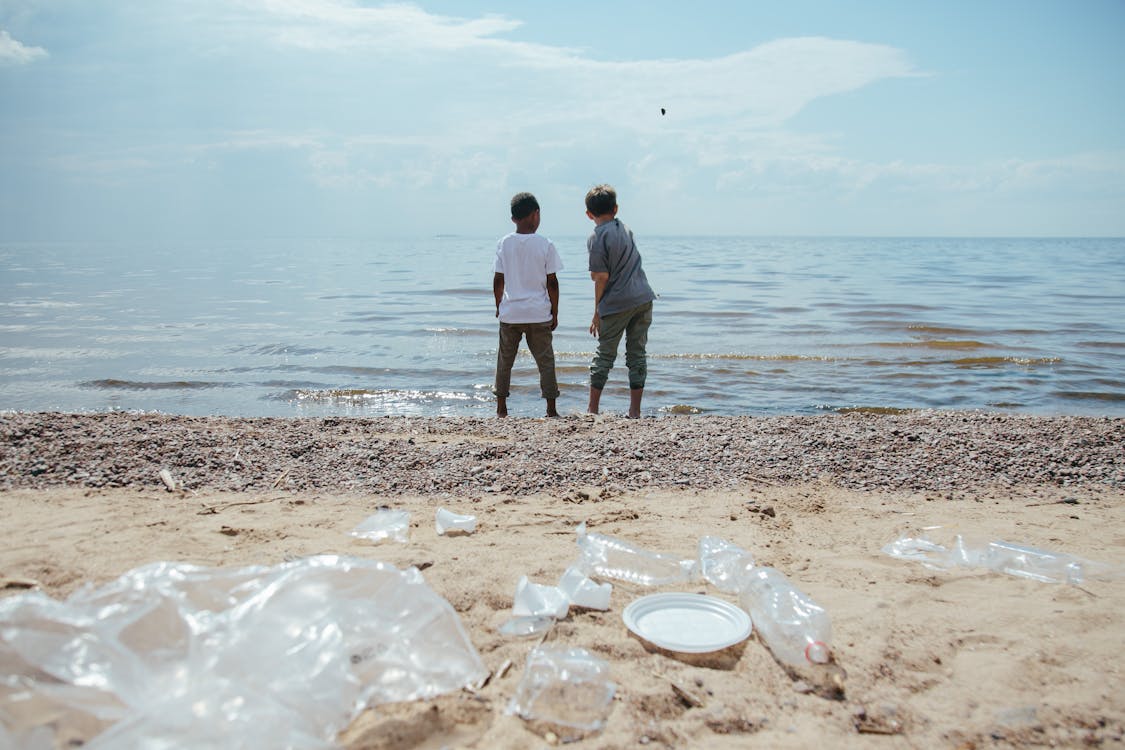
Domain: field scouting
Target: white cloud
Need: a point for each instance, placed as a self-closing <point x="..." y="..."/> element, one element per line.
<point x="16" y="53"/>
<point x="391" y="28"/>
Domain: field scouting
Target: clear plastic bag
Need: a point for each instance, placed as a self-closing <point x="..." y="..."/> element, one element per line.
<point x="173" y="655"/>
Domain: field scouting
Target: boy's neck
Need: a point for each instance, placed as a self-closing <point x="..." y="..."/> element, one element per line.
<point x="604" y="219"/>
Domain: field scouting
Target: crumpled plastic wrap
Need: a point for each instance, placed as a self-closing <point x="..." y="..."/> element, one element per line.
<point x="564" y="691"/>
<point x="173" y="655"/>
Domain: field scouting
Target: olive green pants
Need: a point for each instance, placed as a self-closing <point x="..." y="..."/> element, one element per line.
<point x="633" y="325"/>
<point x="539" y="343"/>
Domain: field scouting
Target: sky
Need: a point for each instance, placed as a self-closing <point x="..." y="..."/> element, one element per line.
<point x="229" y="119"/>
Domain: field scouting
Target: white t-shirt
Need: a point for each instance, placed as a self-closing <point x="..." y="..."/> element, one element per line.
<point x="525" y="260"/>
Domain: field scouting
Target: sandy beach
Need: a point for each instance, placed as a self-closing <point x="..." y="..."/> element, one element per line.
<point x="964" y="658"/>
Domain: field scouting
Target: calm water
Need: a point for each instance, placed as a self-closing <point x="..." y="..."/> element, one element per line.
<point x="743" y="326"/>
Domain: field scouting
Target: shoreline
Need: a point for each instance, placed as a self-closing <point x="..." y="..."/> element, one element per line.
<point x="918" y="451"/>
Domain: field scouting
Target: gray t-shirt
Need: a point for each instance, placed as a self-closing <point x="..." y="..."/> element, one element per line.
<point x="613" y="251"/>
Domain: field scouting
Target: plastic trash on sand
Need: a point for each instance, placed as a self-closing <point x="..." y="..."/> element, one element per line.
<point x="797" y="630"/>
<point x="565" y="691"/>
<point x="584" y="592"/>
<point x="526" y="626"/>
<point x="536" y="599"/>
<point x="173" y="655"/>
<point x="1003" y="557"/>
<point x="607" y="557"/>
<point x="723" y="564"/>
<point x="448" y="522"/>
<point x="384" y="524"/>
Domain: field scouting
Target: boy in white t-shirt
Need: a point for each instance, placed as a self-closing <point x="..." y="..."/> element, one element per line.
<point x="526" y="289"/>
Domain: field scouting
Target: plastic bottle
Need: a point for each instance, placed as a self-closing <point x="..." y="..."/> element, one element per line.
<point x="794" y="627"/>
<point x="608" y="557"/>
<point x="1004" y="557"/>
<point x="723" y="564"/>
<point x="1039" y="564"/>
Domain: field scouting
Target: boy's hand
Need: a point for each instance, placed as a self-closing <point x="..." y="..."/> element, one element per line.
<point x="596" y="325"/>
<point x="554" y="321"/>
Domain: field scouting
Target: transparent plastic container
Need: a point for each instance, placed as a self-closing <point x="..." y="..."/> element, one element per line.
<point x="564" y="691"/>
<point x="796" y="629"/>
<point x="608" y="557"/>
<point x="1005" y="557"/>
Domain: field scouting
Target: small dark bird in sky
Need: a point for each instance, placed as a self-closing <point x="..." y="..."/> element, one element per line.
<point x="663" y="111"/>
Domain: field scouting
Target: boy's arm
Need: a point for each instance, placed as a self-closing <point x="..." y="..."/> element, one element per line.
<point x="553" y="294"/>
<point x="498" y="290"/>
<point x="601" y="278"/>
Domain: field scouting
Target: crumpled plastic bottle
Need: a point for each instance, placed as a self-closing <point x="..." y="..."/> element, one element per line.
<point x="608" y="557"/>
<point x="797" y="631"/>
<point x="1001" y="556"/>
<point x="723" y="564"/>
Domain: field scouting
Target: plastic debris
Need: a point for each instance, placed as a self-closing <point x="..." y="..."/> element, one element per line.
<point x="527" y="625"/>
<point x="564" y="691"/>
<point x="448" y="522"/>
<point x="1004" y="557"/>
<point x="173" y="655"/>
<point x="608" y="557"/>
<point x="723" y="564"/>
<point x="536" y="599"/>
<point x="584" y="592"/>
<point x="384" y="524"/>
<point x="797" y="631"/>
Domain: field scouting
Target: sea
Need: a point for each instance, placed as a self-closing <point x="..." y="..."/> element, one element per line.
<point x="405" y="326"/>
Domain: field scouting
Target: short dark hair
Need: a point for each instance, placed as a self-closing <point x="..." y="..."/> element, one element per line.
<point x="601" y="200"/>
<point x="523" y="205"/>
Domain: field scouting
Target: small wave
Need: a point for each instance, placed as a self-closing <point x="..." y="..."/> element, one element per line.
<point x="39" y="303"/>
<point x="682" y="409"/>
<point x="276" y="350"/>
<point x="887" y="410"/>
<point x="939" y="330"/>
<point x="1001" y="361"/>
<point x="1101" y="344"/>
<point x="459" y="331"/>
<point x="746" y="357"/>
<point x="932" y="344"/>
<point x="719" y="314"/>
<point x="137" y="385"/>
<point x="1117" y="397"/>
<point x="374" y="397"/>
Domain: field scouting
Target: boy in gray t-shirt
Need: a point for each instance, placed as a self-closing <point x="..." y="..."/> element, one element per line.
<point x="622" y="299"/>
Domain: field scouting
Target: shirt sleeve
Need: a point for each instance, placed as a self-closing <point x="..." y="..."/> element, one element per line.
<point x="554" y="262"/>
<point x="599" y="257"/>
<point x="498" y="264"/>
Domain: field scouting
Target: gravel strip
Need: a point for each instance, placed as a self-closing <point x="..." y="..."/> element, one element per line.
<point x="927" y="450"/>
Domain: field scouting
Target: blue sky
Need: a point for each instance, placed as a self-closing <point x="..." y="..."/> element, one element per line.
<point x="133" y="119"/>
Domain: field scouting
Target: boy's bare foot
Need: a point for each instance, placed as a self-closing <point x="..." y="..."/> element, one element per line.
<point x="551" y="410"/>
<point x="595" y="400"/>
<point x="501" y="407"/>
<point x="635" y="396"/>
